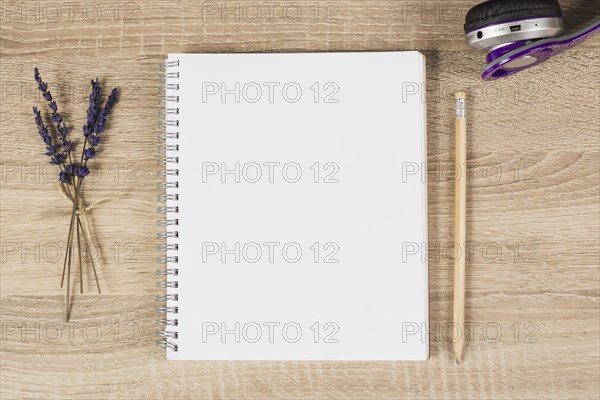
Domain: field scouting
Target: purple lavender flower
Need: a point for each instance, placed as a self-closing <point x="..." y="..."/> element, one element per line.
<point x="88" y="129"/>
<point x="93" y="108"/>
<point x="94" y="140"/>
<point x="68" y="145"/>
<point x="82" y="171"/>
<point x="57" y="159"/>
<point x="52" y="149"/>
<point x="39" y="122"/>
<point x="88" y="153"/>
<point x="70" y="169"/>
<point x="95" y="124"/>
<point x="57" y="118"/>
<point x="64" y="177"/>
<point x="62" y="132"/>
<point x="97" y="118"/>
<point x="110" y="102"/>
<point x="61" y="128"/>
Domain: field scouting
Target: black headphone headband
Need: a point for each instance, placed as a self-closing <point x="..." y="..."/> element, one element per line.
<point x="498" y="11"/>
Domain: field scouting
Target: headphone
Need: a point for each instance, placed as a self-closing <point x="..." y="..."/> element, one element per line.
<point x="518" y="34"/>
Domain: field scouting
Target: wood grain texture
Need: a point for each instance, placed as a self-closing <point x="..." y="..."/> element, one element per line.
<point x="533" y="207"/>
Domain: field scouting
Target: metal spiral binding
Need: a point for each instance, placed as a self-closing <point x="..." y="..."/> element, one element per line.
<point x="168" y="149"/>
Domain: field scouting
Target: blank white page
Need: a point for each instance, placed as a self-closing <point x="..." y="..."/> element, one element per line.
<point x="302" y="211"/>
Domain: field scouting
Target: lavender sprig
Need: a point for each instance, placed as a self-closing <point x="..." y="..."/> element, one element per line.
<point x="52" y="149"/>
<point x="72" y="174"/>
<point x="61" y="128"/>
<point x="93" y="129"/>
<point x="95" y="124"/>
<point x="93" y="109"/>
<point x="110" y="102"/>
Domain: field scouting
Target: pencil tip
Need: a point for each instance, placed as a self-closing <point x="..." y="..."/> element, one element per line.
<point x="458" y="354"/>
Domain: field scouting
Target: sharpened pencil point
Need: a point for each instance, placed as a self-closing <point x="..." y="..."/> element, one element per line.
<point x="458" y="355"/>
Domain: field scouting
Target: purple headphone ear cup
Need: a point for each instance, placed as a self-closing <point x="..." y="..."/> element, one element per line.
<point x="519" y="34"/>
<point x="520" y="56"/>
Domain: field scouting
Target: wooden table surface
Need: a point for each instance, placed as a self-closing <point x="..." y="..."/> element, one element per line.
<point x="533" y="206"/>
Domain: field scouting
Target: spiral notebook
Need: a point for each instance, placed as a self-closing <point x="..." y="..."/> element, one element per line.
<point x="296" y="207"/>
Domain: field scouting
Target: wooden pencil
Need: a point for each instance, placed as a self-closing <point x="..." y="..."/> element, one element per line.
<point x="460" y="197"/>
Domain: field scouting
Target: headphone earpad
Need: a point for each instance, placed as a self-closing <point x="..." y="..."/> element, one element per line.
<point x="497" y="11"/>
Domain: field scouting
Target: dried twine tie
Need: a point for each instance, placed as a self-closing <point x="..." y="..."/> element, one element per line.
<point x="82" y="211"/>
